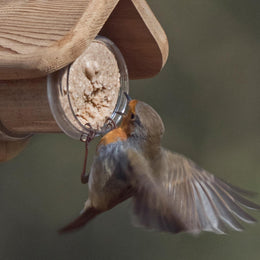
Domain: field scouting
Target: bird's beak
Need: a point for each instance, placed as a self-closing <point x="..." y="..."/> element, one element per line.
<point x="127" y="97"/>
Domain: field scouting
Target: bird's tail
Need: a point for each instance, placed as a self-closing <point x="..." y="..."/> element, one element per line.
<point x="87" y="215"/>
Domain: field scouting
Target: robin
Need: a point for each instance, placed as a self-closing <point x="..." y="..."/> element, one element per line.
<point x="170" y="192"/>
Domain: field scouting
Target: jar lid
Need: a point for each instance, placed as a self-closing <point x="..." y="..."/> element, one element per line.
<point x="89" y="90"/>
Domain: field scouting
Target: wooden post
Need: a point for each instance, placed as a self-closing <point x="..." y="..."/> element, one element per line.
<point x="24" y="110"/>
<point x="24" y="107"/>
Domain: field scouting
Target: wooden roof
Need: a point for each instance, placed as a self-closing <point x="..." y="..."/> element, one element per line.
<point x="39" y="37"/>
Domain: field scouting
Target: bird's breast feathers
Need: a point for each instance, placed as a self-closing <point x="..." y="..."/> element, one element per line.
<point x="113" y="136"/>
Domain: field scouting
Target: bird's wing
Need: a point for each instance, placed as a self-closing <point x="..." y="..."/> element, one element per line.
<point x="202" y="201"/>
<point x="150" y="207"/>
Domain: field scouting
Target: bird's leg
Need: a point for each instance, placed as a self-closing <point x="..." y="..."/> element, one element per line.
<point x="87" y="138"/>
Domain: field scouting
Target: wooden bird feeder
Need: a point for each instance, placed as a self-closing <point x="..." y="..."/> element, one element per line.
<point x="41" y="37"/>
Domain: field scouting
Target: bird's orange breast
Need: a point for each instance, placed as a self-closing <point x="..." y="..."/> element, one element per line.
<point x="113" y="136"/>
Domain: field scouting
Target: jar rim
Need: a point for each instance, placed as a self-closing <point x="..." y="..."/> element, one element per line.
<point x="55" y="88"/>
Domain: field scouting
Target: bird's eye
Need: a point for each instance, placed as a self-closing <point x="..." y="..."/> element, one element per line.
<point x="132" y="116"/>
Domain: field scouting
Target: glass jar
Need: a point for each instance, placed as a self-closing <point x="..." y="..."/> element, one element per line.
<point x="60" y="98"/>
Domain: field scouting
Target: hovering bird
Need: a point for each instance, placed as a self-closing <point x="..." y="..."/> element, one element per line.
<point x="169" y="191"/>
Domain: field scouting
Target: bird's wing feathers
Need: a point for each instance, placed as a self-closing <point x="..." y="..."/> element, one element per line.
<point x="203" y="201"/>
<point x="150" y="207"/>
<point x="181" y="197"/>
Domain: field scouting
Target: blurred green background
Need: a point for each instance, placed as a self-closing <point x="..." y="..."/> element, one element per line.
<point x="209" y="98"/>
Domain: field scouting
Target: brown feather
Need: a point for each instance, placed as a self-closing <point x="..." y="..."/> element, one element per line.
<point x="150" y="207"/>
<point x="202" y="201"/>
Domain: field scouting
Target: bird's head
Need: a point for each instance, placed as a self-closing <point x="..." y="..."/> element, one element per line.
<point x="142" y="121"/>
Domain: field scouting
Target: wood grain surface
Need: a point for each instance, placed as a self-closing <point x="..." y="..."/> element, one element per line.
<point x="24" y="107"/>
<point x="140" y="37"/>
<point x="39" y="37"/>
<point x="10" y="149"/>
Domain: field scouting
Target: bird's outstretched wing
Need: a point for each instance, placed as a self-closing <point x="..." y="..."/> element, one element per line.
<point x="202" y="201"/>
<point x="150" y="207"/>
